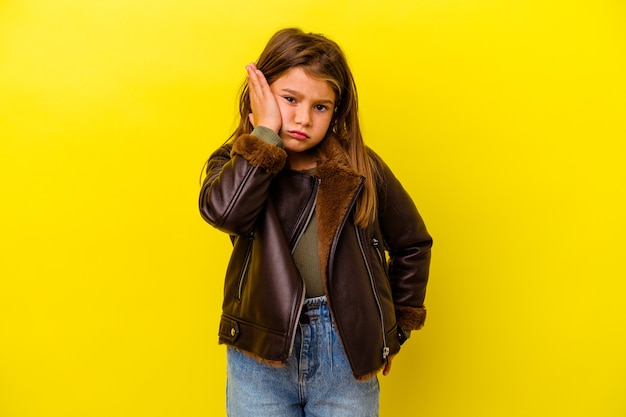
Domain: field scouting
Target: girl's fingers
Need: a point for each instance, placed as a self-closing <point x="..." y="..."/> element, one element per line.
<point x="252" y="83"/>
<point x="262" y="101"/>
<point x="387" y="367"/>
<point x="256" y="80"/>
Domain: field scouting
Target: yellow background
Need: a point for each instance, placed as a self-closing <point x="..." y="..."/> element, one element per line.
<point x="504" y="119"/>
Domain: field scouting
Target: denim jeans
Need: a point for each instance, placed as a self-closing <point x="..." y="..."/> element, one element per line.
<point x="316" y="380"/>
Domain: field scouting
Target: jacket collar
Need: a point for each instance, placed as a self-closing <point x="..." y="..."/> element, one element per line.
<point x="339" y="187"/>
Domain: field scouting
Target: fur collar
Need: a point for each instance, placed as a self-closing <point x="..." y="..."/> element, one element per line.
<point x="340" y="185"/>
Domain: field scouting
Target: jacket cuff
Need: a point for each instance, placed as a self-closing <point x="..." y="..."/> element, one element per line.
<point x="260" y="153"/>
<point x="410" y="318"/>
<point x="268" y="135"/>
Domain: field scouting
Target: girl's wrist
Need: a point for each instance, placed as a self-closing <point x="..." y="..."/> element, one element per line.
<point x="267" y="135"/>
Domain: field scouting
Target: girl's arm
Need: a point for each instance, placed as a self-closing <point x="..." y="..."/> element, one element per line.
<point x="237" y="182"/>
<point x="238" y="179"/>
<point x="408" y="243"/>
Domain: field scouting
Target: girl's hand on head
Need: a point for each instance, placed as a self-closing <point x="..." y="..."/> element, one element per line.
<point x="265" y="110"/>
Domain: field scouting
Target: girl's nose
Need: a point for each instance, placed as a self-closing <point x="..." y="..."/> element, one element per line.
<point x="303" y="117"/>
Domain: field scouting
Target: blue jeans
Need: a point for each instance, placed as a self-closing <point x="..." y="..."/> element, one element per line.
<point x="315" y="381"/>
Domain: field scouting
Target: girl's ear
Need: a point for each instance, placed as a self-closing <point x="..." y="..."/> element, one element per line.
<point x="251" y="118"/>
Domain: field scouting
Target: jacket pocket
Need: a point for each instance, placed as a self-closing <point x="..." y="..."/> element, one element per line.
<point x="244" y="269"/>
<point x="380" y="253"/>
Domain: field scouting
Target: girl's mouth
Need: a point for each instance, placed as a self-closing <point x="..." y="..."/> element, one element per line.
<point x="296" y="134"/>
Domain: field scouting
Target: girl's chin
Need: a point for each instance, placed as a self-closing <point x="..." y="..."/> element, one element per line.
<point x="296" y="146"/>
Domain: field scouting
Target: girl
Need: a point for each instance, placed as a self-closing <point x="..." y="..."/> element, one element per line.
<point x="330" y="257"/>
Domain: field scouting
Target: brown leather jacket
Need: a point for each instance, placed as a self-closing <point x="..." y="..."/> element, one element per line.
<point x="264" y="208"/>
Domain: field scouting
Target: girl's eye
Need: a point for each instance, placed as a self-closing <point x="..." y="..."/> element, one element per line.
<point x="290" y="99"/>
<point x="320" y="107"/>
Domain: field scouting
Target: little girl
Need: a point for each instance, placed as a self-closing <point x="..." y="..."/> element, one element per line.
<point x="330" y="257"/>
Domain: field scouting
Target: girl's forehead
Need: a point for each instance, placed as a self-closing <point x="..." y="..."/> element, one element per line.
<point x="298" y="80"/>
<point x="296" y="73"/>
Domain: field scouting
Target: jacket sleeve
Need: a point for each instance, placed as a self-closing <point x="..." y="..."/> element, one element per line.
<point x="237" y="181"/>
<point x="408" y="244"/>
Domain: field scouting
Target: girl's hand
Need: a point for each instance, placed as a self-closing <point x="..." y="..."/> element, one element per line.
<point x="265" y="110"/>
<point x="387" y="366"/>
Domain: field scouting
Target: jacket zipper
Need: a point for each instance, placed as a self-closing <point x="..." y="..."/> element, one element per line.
<point x="376" y="245"/>
<point x="302" y="295"/>
<point x="381" y="257"/>
<point x="371" y="277"/>
<point x="293" y="333"/>
<point x="246" y="264"/>
<point x="308" y="219"/>
<point x="333" y="245"/>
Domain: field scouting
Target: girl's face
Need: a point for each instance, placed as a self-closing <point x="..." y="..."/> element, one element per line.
<point x="306" y="106"/>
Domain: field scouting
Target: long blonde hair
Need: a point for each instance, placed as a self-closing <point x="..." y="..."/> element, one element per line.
<point x="322" y="58"/>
